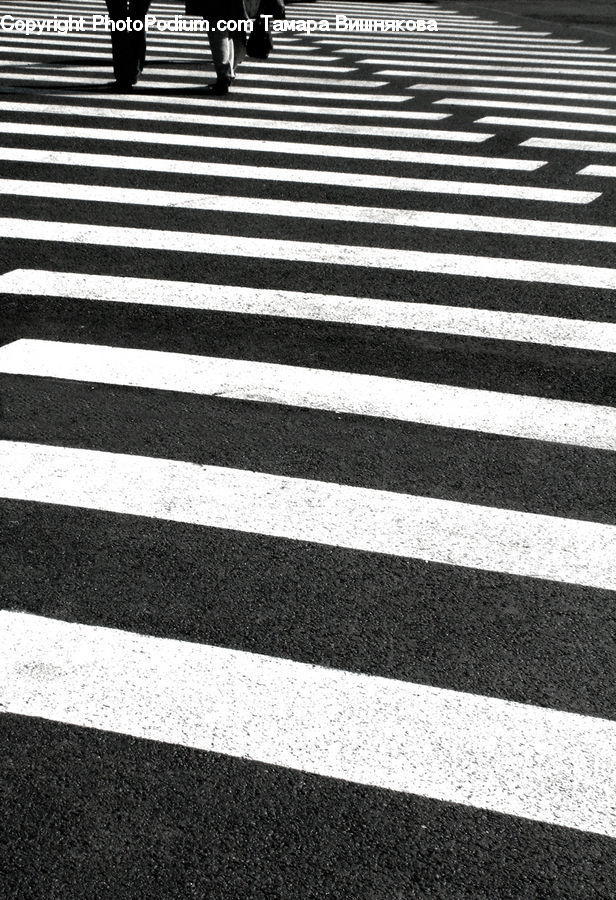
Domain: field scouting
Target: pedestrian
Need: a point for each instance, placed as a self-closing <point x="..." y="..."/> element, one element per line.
<point x="127" y="40"/>
<point x="230" y="45"/>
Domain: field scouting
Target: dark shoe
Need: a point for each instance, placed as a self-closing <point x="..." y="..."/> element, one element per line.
<point x="127" y="76"/>
<point x="220" y="88"/>
<point x="119" y="87"/>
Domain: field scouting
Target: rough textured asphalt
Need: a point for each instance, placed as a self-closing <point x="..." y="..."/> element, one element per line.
<point x="104" y="815"/>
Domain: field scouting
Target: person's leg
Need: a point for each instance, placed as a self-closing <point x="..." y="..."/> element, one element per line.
<point x="239" y="47"/>
<point x="120" y="45"/>
<point x="223" y="56"/>
<point x="137" y="11"/>
<point x="128" y="47"/>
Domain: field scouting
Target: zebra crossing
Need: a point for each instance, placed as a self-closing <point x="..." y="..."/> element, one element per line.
<point x="307" y="463"/>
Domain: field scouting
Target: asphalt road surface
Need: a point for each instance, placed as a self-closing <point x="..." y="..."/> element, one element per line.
<point x="591" y="20"/>
<point x="308" y="421"/>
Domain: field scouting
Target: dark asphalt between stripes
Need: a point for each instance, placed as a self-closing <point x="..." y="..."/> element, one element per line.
<point x="98" y="815"/>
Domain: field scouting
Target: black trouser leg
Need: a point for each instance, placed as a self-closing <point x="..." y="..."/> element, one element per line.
<point x="128" y="47"/>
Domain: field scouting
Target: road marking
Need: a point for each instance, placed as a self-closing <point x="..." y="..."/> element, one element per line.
<point x="498" y="32"/>
<point x="103" y="112"/>
<point x="511" y="758"/>
<point x="484" y="40"/>
<point x="491" y="412"/>
<point x="51" y="81"/>
<point x="402" y="71"/>
<point x="474" y="43"/>
<point x="348" y="111"/>
<point x="460" y="76"/>
<point x="193" y="44"/>
<point x="301" y="176"/>
<point x="90" y="193"/>
<point x="454" y="28"/>
<point x="547" y="123"/>
<point x="381" y="10"/>
<point x="516" y="91"/>
<point x="157" y="57"/>
<point x="490" y="324"/>
<point x="263" y="91"/>
<point x="156" y="46"/>
<point x="217" y="142"/>
<point x="603" y="171"/>
<point x="561" y="144"/>
<point x="319" y="211"/>
<point x="533" y="107"/>
<point x="530" y="57"/>
<point x="405" y="50"/>
<point x="303" y="251"/>
<point x="442" y="531"/>
<point x="196" y="78"/>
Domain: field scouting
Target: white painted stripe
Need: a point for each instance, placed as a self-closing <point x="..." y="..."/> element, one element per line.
<point x="418" y="72"/>
<point x="346" y="111"/>
<point x="496" y="30"/>
<point x="105" y="112"/>
<point x="203" y="70"/>
<point x="547" y="123"/>
<point x="182" y="45"/>
<point x="469" y="26"/>
<point x="534" y="418"/>
<point x="458" y="534"/>
<point x="480" y="39"/>
<point x="483" y="39"/>
<point x="382" y="10"/>
<point x="160" y="56"/>
<point x="511" y="758"/>
<point x="468" y="22"/>
<point x="298" y="93"/>
<point x="160" y="53"/>
<point x="561" y="144"/>
<point x="154" y="60"/>
<point x="168" y="10"/>
<point x="463" y="30"/>
<point x="516" y="91"/>
<point x="382" y="47"/>
<point x="69" y="50"/>
<point x="311" y="252"/>
<point x="408" y="49"/>
<point x="533" y="107"/>
<point x="155" y="47"/>
<point x="538" y="59"/>
<point x="320" y="212"/>
<point x="603" y="171"/>
<point x="88" y="37"/>
<point x="495" y="325"/>
<point x="54" y="81"/>
<point x="399" y="52"/>
<point x="301" y="176"/>
<point x="155" y="66"/>
<point x="51" y="80"/>
<point x="459" y="28"/>
<point x="296" y="176"/>
<point x="196" y="38"/>
<point x="402" y="71"/>
<point x="196" y="78"/>
<point x="253" y="145"/>
<point x="505" y="44"/>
